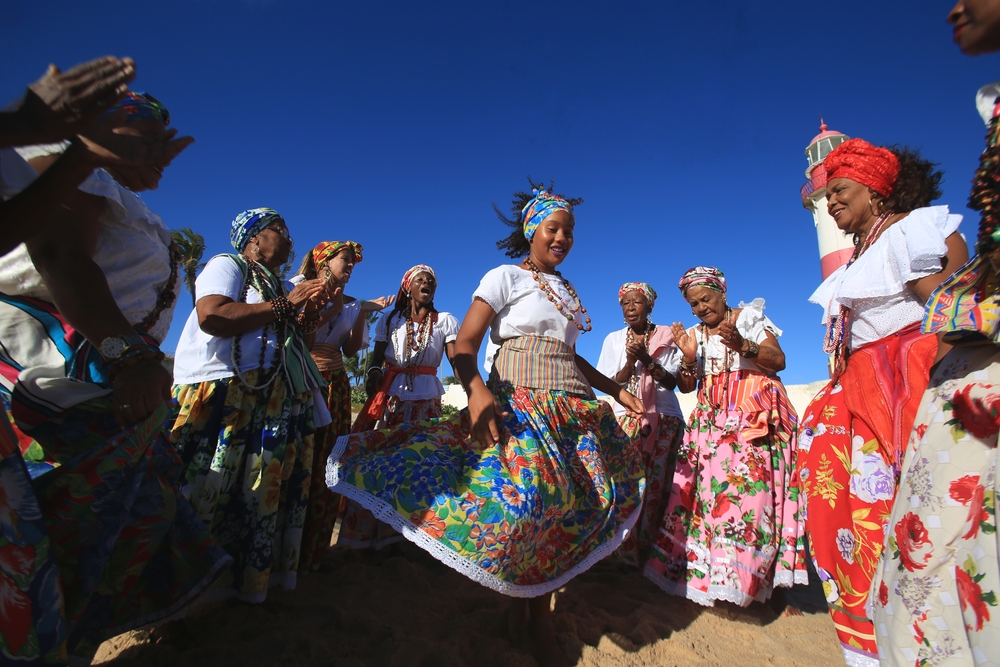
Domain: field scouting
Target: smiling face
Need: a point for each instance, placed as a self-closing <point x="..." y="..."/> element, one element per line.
<point x="149" y="177"/>
<point x="271" y="246"/>
<point x="338" y="268"/>
<point x="707" y="305"/>
<point x="552" y="240"/>
<point x="422" y="288"/>
<point x="635" y="309"/>
<point x="847" y="204"/>
<point x="976" y="26"/>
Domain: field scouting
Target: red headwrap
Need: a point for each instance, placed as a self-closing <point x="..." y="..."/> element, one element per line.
<point x="860" y="161"/>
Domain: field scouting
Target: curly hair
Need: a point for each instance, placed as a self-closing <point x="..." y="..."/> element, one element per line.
<point x="516" y="245"/>
<point x="918" y="183"/>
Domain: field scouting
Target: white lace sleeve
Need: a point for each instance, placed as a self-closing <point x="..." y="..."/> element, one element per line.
<point x="752" y="322"/>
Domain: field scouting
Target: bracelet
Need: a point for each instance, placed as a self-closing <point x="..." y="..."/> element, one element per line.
<point x="308" y="325"/>
<point x="753" y="349"/>
<point x="373" y="368"/>
<point x="282" y="308"/>
<point x="689" y="369"/>
<point x="133" y="356"/>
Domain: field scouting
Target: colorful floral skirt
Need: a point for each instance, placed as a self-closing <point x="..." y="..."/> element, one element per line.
<point x="321" y="514"/>
<point x="522" y="517"/>
<point x="248" y="457"/>
<point x="659" y="466"/>
<point x="130" y="550"/>
<point x="733" y="527"/>
<point x="853" y="436"/>
<point x="359" y="529"/>
<point x="32" y="620"/>
<point x="939" y="581"/>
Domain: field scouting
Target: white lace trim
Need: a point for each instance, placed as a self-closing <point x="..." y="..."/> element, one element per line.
<point x="385" y="513"/>
<point x="855" y="659"/>
<point x="704" y="598"/>
<point x="786" y="579"/>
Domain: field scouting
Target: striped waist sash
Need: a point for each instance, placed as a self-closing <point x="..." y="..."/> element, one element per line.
<point x="327" y="357"/>
<point x="540" y="362"/>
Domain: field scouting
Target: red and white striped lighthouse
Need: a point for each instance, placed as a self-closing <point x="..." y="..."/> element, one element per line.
<point x="835" y="247"/>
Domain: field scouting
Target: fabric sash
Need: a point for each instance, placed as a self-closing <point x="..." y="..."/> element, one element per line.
<point x="540" y="362"/>
<point x="883" y="384"/>
<point x="327" y="357"/>
<point x="758" y="396"/>
<point x="659" y="340"/>
<point x="374" y="408"/>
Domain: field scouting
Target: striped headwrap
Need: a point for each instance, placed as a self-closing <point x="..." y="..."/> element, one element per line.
<point x="541" y="206"/>
<point x="645" y="288"/>
<point x="404" y="284"/>
<point x="326" y="251"/>
<point x="703" y="276"/>
<point x="249" y="223"/>
<point x="141" y="105"/>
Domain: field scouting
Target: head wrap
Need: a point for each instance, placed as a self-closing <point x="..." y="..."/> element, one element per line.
<point x="541" y="206"/>
<point x="858" y="160"/>
<point x="249" y="223"/>
<point x="703" y="276"/>
<point x="404" y="284"/>
<point x="326" y="251"/>
<point x="645" y="288"/>
<point x="142" y="105"/>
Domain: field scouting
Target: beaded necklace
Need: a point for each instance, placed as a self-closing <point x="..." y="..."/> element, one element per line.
<point x="727" y="359"/>
<point x="257" y="279"/>
<point x="985" y="195"/>
<point x="568" y="310"/>
<point x="412" y="349"/>
<point x="633" y="381"/>
<point x="836" y="328"/>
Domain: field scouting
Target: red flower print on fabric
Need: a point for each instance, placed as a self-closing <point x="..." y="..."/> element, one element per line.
<point x="911" y="536"/>
<point x="979" y="416"/>
<point x="971" y="595"/>
<point x="883" y="594"/>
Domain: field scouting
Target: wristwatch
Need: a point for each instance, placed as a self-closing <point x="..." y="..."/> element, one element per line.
<point x="113" y="347"/>
<point x="651" y="365"/>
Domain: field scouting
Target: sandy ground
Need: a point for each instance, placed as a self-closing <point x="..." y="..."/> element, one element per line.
<point x="409" y="610"/>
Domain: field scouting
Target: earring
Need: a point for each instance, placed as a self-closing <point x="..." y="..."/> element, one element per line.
<point x="874" y="209"/>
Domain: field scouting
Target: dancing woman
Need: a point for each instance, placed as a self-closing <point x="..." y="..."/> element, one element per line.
<point x="635" y="357"/>
<point x="547" y="485"/>
<point x="402" y="382"/>
<point x="732" y="530"/>
<point x="855" y="429"/>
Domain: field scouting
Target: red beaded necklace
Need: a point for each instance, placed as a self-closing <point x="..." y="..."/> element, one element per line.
<point x="568" y="310"/>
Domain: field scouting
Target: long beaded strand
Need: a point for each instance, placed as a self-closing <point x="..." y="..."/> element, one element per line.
<point x="727" y="359"/>
<point x="633" y="381"/>
<point x="566" y="309"/>
<point x="257" y="280"/>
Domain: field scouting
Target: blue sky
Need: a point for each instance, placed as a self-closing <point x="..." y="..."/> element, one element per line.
<point x="398" y="124"/>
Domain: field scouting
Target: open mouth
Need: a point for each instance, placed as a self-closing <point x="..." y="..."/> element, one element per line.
<point x="557" y="250"/>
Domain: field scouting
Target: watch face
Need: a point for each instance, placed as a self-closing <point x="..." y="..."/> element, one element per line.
<point x="112" y="348"/>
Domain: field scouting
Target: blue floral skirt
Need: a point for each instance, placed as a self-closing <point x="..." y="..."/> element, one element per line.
<point x="523" y="517"/>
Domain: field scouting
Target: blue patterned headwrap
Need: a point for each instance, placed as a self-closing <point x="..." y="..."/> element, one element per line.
<point x="249" y="223"/>
<point x="142" y="105"/>
<point x="541" y="206"/>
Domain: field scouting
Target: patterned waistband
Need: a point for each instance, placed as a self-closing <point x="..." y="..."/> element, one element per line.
<point x="327" y="357"/>
<point x="540" y="362"/>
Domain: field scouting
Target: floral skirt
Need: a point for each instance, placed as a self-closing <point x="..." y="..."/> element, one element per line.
<point x="32" y="617"/>
<point x="733" y="528"/>
<point x="939" y="581"/>
<point x="522" y="517"/>
<point x="321" y="514"/>
<point x="248" y="456"/>
<point x="130" y="549"/>
<point x="853" y="432"/>
<point x="359" y="529"/>
<point x="659" y="466"/>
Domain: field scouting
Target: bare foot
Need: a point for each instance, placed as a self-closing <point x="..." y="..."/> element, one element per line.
<point x="545" y="646"/>
<point x="791" y="611"/>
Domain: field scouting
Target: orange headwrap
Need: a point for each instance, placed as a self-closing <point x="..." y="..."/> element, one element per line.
<point x="327" y="249"/>
<point x="860" y="161"/>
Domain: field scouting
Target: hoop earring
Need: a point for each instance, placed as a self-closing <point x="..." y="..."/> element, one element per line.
<point x="874" y="209"/>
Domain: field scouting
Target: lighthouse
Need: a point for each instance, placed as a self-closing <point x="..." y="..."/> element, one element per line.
<point x="835" y="247"/>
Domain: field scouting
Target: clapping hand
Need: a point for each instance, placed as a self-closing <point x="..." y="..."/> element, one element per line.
<point x="375" y="305"/>
<point x="684" y="341"/>
<point x="62" y="104"/>
<point x="731" y="338"/>
<point x="107" y="145"/>
<point x="636" y="351"/>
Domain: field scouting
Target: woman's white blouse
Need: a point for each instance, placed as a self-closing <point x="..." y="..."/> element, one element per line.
<point x="875" y="286"/>
<point x="394" y="333"/>
<point x="132" y="251"/>
<point x="522" y="308"/>
<point x="612" y="360"/>
<point x="752" y="324"/>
